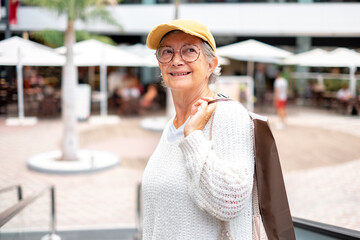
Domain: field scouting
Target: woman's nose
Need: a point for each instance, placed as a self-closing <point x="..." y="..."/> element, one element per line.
<point x="177" y="59"/>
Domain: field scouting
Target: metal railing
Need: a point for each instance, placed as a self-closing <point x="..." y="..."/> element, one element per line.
<point x="9" y="188"/>
<point x="13" y="211"/>
<point x="139" y="212"/>
<point x="333" y="232"/>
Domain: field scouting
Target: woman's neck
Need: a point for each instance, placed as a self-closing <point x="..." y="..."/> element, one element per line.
<point x="183" y="102"/>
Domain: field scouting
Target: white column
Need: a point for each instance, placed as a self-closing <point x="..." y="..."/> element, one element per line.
<point x="353" y="81"/>
<point x="103" y="90"/>
<point x="20" y="89"/>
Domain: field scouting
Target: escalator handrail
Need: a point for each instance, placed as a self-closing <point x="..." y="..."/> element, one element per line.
<point x="326" y="229"/>
<point x="11" y="212"/>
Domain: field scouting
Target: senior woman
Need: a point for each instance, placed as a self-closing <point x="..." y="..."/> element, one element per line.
<point x="198" y="182"/>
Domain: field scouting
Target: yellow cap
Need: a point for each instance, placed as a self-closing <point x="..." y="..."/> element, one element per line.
<point x="187" y="26"/>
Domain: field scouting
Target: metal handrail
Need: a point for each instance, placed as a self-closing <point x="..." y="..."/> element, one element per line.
<point x="11" y="212"/>
<point x="326" y="229"/>
<point x="18" y="187"/>
<point x="139" y="212"/>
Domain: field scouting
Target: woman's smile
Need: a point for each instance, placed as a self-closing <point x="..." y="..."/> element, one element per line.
<point x="180" y="74"/>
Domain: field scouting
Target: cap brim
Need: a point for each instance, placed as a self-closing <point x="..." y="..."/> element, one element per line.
<point x="155" y="36"/>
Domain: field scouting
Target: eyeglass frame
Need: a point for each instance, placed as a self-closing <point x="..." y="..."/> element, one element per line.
<point x="156" y="53"/>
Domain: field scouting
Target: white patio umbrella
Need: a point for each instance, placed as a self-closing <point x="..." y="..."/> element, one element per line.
<point x="19" y="52"/>
<point x="253" y="51"/>
<point x="311" y="57"/>
<point x="32" y="53"/>
<point x="347" y="58"/>
<point x="340" y="57"/>
<point x="141" y="50"/>
<point x="95" y="53"/>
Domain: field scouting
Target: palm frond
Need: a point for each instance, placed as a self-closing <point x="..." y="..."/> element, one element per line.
<point x="84" y="35"/>
<point x="60" y="6"/>
<point x="79" y="9"/>
<point x="49" y="37"/>
<point x="102" y="14"/>
<point x="54" y="38"/>
<point x="85" y="10"/>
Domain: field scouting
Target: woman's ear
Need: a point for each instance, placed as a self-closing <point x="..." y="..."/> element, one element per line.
<point x="213" y="65"/>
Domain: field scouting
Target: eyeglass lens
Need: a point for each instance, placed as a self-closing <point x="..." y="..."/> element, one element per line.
<point x="189" y="53"/>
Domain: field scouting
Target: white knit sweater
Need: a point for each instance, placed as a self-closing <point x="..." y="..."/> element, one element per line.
<point x="191" y="185"/>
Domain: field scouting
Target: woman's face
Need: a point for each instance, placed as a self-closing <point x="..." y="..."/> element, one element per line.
<point x="181" y="75"/>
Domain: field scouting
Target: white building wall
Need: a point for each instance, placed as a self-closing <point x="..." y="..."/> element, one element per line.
<point x="256" y="19"/>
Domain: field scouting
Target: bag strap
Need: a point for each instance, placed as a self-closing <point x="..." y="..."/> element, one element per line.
<point x="221" y="100"/>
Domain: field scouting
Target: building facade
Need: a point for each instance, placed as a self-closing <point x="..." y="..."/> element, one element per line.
<point x="300" y="25"/>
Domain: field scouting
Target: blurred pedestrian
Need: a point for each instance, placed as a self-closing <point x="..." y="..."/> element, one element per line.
<point x="280" y="98"/>
<point x="198" y="182"/>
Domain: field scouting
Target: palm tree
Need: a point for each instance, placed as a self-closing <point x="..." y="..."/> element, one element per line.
<point x="74" y="9"/>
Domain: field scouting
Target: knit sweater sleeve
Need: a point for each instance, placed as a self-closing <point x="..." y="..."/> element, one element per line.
<point x="220" y="171"/>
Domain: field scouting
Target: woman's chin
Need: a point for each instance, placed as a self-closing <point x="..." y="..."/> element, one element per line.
<point x="178" y="85"/>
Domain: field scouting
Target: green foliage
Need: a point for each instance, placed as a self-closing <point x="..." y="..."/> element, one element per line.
<point x="85" y="10"/>
<point x="51" y="38"/>
<point x="54" y="38"/>
<point x="102" y="14"/>
<point x="84" y="35"/>
<point x="334" y="84"/>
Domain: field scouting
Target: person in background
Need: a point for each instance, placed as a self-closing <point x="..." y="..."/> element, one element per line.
<point x="260" y="83"/>
<point x="198" y="182"/>
<point x="343" y="96"/>
<point x="280" y="98"/>
<point x="148" y="100"/>
<point x="128" y="94"/>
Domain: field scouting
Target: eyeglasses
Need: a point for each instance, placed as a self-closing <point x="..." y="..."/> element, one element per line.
<point x="189" y="53"/>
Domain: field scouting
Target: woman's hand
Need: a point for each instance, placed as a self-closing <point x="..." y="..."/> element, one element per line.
<point x="200" y="114"/>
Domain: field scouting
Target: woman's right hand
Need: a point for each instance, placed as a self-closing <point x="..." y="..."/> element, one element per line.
<point x="200" y="114"/>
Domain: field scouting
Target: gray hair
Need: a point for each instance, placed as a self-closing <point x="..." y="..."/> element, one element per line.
<point x="209" y="54"/>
